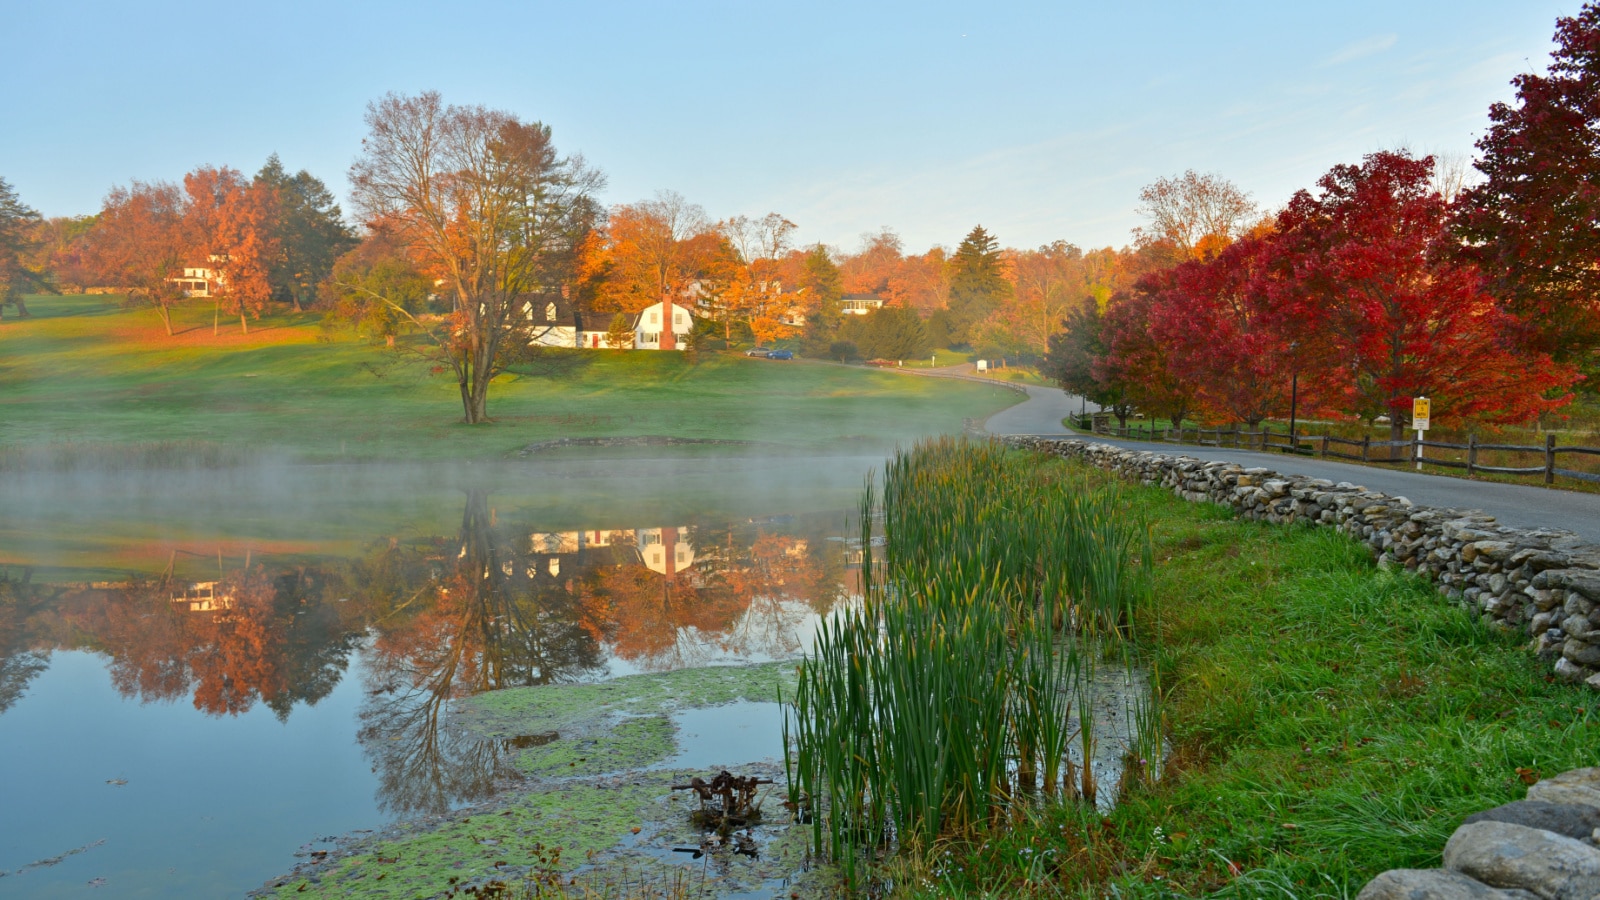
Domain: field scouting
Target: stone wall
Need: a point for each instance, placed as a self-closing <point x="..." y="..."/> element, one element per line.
<point x="1543" y="583"/>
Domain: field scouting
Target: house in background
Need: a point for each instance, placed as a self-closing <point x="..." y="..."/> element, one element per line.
<point x="555" y="321"/>
<point x="652" y="331"/>
<point x="198" y="281"/>
<point x="860" y="304"/>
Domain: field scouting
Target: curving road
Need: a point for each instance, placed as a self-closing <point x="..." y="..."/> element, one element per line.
<point x="1524" y="506"/>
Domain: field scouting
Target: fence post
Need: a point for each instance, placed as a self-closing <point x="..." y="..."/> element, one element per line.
<point x="1323" y="452"/>
<point x="1472" y="453"/>
<point x="1549" y="458"/>
<point x="1366" y="444"/>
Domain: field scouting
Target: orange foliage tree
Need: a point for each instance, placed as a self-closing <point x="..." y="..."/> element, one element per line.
<point x="231" y="229"/>
<point x="657" y="249"/>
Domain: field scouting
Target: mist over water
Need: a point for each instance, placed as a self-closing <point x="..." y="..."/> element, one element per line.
<point x="206" y="668"/>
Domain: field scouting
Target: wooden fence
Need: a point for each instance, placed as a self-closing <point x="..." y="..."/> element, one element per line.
<point x="1363" y="450"/>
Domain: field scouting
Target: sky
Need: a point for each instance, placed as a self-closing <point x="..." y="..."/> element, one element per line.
<point x="1039" y="121"/>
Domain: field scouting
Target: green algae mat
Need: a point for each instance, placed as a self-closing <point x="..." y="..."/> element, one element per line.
<point x="593" y="813"/>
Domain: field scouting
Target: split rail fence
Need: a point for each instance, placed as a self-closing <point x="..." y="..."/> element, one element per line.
<point x="1363" y="450"/>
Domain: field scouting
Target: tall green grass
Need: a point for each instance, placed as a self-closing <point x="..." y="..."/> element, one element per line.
<point x="942" y="704"/>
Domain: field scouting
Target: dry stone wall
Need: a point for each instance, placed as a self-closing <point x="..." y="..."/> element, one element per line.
<point x="1543" y="583"/>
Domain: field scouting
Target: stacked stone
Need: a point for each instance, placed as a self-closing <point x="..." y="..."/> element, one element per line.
<point x="1542" y="847"/>
<point x="1539" y="582"/>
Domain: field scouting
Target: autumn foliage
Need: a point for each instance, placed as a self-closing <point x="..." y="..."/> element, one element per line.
<point x="1354" y="298"/>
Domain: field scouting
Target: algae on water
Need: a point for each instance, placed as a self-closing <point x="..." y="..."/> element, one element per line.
<point x="592" y="807"/>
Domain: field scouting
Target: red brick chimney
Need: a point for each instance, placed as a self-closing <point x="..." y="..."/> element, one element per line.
<point x="669" y="340"/>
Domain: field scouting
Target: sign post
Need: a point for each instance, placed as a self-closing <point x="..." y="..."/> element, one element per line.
<point x="1421" y="411"/>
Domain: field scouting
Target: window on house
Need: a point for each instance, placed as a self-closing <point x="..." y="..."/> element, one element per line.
<point x="655" y="317"/>
<point x="550" y="312"/>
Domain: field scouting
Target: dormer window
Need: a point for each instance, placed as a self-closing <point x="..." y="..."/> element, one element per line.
<point x="549" y="312"/>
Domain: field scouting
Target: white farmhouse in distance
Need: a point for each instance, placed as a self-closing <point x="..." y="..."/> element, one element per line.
<point x="860" y="304"/>
<point x="650" y="332"/>
<point x="197" y="281"/>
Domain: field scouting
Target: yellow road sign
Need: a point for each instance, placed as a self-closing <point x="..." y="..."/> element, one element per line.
<point x="1421" y="409"/>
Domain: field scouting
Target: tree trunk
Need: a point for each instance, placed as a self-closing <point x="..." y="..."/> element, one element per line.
<point x="244" y="326"/>
<point x="216" y="319"/>
<point x="166" y="317"/>
<point x="22" y="307"/>
<point x="466" y="403"/>
<point x="1397" y="432"/>
<point x="294" y="297"/>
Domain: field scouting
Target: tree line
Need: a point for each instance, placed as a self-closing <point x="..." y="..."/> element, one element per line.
<point x="1396" y="276"/>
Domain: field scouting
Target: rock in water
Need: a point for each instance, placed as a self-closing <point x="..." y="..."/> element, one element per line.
<point x="1503" y="855"/>
<point x="1434" y="884"/>
<point x="1574" y="820"/>
<point x="1576" y="786"/>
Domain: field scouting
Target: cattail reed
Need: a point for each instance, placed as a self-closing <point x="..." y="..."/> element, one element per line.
<point x="943" y="702"/>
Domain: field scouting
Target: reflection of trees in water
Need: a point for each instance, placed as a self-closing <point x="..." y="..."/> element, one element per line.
<point x="447" y="617"/>
<point x="274" y="643"/>
<point x="21" y="601"/>
<point x="459" y="623"/>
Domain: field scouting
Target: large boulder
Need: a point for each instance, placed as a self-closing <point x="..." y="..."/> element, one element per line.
<point x="1577" y="786"/>
<point x="1434" y="884"/>
<point x="1574" y="820"/>
<point x="1503" y="855"/>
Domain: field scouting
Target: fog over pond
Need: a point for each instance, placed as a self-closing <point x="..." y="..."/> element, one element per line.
<point x="206" y="668"/>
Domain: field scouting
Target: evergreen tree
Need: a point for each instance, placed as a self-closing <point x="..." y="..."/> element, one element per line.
<point x="1076" y="361"/>
<point x="17" y="221"/>
<point x="977" y="283"/>
<point x="312" y="234"/>
<point x="821" y="281"/>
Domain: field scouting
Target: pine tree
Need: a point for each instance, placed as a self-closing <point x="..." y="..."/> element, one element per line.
<point x="977" y="283"/>
<point x="17" y="221"/>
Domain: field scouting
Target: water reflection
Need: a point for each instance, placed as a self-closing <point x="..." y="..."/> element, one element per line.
<point x="501" y="602"/>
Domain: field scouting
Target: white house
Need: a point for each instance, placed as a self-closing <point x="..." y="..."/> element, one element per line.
<point x="197" y="281"/>
<point x="650" y="331"/>
<point x="860" y="304"/>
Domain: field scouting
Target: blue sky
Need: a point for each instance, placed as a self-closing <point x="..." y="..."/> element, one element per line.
<point x="1040" y="121"/>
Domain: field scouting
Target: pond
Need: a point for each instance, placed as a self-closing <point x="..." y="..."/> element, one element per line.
<point x="205" y="675"/>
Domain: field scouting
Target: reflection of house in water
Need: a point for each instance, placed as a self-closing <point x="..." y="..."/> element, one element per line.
<point x="202" y="596"/>
<point x="663" y="552"/>
<point x="548" y="549"/>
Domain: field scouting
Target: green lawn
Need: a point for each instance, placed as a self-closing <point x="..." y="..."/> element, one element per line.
<point x="86" y="371"/>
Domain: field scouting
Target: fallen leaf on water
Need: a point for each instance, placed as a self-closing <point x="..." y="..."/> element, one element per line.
<point x="635" y="829"/>
<point x="119" y="782"/>
<point x="97" y="882"/>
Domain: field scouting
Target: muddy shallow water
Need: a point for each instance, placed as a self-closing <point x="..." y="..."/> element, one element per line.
<point x="202" y="674"/>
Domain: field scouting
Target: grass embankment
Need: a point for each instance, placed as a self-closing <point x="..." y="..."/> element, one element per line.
<point x="1328" y="721"/>
<point x="85" y="371"/>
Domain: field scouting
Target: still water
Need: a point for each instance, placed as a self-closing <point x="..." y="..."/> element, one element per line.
<point x="203" y="674"/>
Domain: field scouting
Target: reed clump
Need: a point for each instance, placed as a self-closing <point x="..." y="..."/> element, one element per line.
<point x="943" y="703"/>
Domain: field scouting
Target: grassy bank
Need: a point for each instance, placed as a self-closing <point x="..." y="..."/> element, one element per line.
<point x="1328" y="721"/>
<point x="84" y="371"/>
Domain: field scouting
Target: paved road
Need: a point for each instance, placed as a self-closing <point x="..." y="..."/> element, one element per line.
<point x="1526" y="506"/>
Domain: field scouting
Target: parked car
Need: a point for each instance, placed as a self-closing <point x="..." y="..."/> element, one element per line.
<point x="781" y="354"/>
<point x="758" y="351"/>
